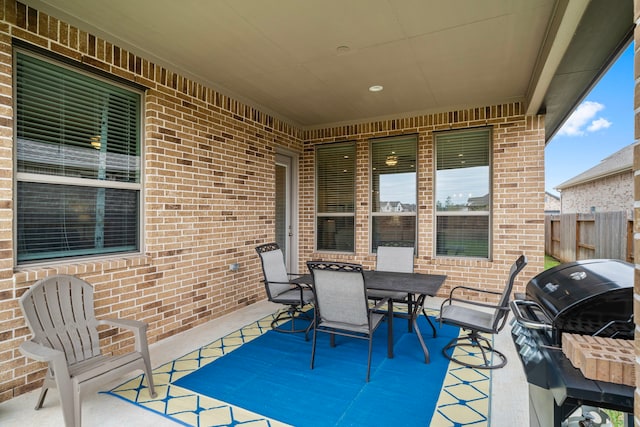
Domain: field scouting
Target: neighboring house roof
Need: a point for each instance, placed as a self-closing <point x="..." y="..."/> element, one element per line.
<point x="552" y="196"/>
<point x="620" y="161"/>
<point x="551" y="203"/>
<point x="478" y="201"/>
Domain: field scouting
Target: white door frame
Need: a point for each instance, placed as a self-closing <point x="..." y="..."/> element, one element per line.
<point x="290" y="161"/>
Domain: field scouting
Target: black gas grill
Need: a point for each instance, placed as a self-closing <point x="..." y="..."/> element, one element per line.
<point x="591" y="297"/>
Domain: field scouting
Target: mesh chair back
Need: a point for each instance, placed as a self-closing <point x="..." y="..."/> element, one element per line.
<point x="274" y="270"/>
<point x="396" y="259"/>
<point x="340" y="293"/>
<point x="516" y="268"/>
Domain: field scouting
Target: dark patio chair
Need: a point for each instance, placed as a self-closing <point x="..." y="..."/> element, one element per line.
<point x="277" y="282"/>
<point x="341" y="306"/>
<point x="59" y="312"/>
<point x="486" y="318"/>
<point x="398" y="259"/>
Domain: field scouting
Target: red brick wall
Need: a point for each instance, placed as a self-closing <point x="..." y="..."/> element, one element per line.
<point x="209" y="197"/>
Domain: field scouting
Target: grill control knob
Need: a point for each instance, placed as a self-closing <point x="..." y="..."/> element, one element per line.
<point x="526" y="351"/>
<point x="516" y="329"/>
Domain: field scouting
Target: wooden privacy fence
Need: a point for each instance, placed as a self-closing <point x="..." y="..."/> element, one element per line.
<point x="572" y="237"/>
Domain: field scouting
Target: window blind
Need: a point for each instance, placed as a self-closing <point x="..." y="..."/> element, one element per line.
<point x="335" y="197"/>
<point x="70" y="124"/>
<point x="335" y="178"/>
<point x="463" y="193"/>
<point x="78" y="163"/>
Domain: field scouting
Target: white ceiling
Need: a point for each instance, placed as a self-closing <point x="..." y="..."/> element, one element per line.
<point x="283" y="56"/>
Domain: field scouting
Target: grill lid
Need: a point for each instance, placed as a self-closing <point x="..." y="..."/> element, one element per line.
<point x="584" y="296"/>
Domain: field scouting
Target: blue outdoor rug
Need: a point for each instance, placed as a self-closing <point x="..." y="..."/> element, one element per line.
<point x="259" y="377"/>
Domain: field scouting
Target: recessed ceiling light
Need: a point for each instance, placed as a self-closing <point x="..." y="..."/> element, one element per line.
<point x="343" y="50"/>
<point x="375" y="88"/>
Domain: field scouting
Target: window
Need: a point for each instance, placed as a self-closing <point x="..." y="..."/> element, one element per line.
<point x="78" y="163"/>
<point x="393" y="192"/>
<point x="335" y="197"/>
<point x="463" y="193"/>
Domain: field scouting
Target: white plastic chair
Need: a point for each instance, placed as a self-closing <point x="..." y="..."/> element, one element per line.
<point x="60" y="314"/>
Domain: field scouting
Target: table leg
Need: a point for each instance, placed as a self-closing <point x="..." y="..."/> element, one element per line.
<point x="420" y="303"/>
<point x="410" y="303"/>
<point x="414" y="320"/>
<point x="390" y="329"/>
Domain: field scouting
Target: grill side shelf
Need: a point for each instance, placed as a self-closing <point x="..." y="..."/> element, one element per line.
<point x="568" y="384"/>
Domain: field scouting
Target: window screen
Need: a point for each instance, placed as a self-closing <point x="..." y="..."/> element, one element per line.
<point x="78" y="162"/>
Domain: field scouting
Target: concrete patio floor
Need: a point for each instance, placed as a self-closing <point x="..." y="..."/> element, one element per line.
<point x="509" y="405"/>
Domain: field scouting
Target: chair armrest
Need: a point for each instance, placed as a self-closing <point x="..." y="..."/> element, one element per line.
<point x="124" y="323"/>
<point x="57" y="366"/>
<point x="295" y="276"/>
<point x="138" y="328"/>
<point x="379" y="304"/>
<point x="468" y="288"/>
<point x="39" y="352"/>
<point x="468" y="301"/>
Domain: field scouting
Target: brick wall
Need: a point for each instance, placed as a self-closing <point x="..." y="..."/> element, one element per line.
<point x="518" y="192"/>
<point x="609" y="194"/>
<point x="209" y="197"/>
<point x="209" y="200"/>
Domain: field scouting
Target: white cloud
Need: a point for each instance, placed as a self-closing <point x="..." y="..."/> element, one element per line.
<point x="598" y="124"/>
<point x="583" y="120"/>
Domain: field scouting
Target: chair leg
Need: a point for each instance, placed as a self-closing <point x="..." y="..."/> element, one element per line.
<point x="433" y="327"/>
<point x="43" y="394"/>
<point x="48" y="382"/>
<point x="369" y="358"/>
<point x="77" y="406"/>
<point x="475" y="342"/>
<point x="306" y="332"/>
<point x="410" y="310"/>
<point x="292" y="314"/>
<point x="313" y="348"/>
<point x="419" y="305"/>
<point x="149" y="374"/>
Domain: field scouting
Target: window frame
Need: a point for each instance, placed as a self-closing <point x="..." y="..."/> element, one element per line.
<point x="372" y="213"/>
<point x="317" y="213"/>
<point x="488" y="213"/>
<point x="79" y="182"/>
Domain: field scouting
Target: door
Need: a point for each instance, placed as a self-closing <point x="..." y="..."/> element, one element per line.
<point x="285" y="209"/>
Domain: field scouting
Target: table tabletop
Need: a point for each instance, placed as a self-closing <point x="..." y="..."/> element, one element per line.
<point x="411" y="283"/>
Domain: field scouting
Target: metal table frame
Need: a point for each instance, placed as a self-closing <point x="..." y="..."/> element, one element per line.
<point x="419" y="284"/>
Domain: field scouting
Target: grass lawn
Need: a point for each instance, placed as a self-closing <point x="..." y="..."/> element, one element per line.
<point x="550" y="261"/>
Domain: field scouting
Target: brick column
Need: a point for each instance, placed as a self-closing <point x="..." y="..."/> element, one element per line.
<point x="636" y="205"/>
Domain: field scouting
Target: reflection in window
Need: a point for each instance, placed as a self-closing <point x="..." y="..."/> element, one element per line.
<point x="335" y="197"/>
<point x="393" y="188"/>
<point x="463" y="193"/>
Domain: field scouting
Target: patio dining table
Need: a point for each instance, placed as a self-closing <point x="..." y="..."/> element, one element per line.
<point x="419" y="284"/>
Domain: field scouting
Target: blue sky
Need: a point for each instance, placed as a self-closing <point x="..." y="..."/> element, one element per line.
<point x="601" y="125"/>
